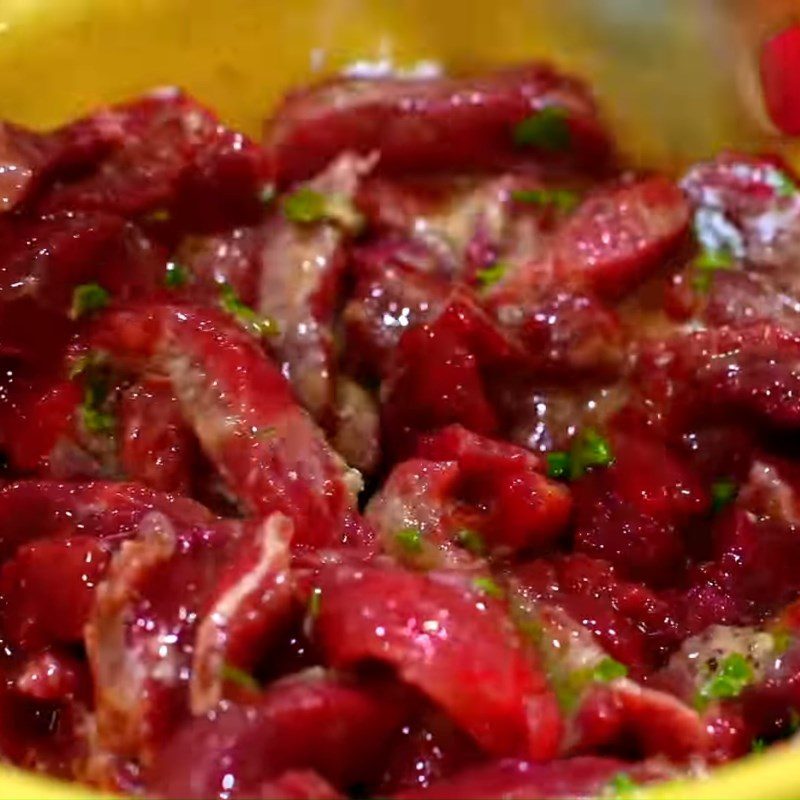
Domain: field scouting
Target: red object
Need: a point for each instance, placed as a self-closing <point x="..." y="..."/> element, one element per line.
<point x="780" y="79"/>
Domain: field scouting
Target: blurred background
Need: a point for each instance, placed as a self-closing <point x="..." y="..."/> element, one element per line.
<point x="679" y="78"/>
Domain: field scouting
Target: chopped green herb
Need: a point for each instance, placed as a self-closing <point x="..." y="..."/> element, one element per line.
<point x="88" y="363"/>
<point x="569" y="687"/>
<point x="92" y="368"/>
<point x="176" y="276"/>
<point x="267" y="193"/>
<point x="489" y="276"/>
<point x="409" y="539"/>
<point x="315" y="602"/>
<point x="783" y="184"/>
<point x="723" y="493"/>
<point x="472" y="541"/>
<point x="547" y="129"/>
<point x="86" y="298"/>
<point x="306" y="206"/>
<point x="562" y="199"/>
<point x="488" y="587"/>
<point x="559" y="464"/>
<point x="589" y="449"/>
<point x="244" y="315"/>
<point x="707" y="264"/>
<point x="530" y="629"/>
<point x="621" y="787"/>
<point x="232" y="674"/>
<point x="733" y="674"/>
<point x="758" y="746"/>
<point x="96" y="421"/>
<point x="608" y="669"/>
<point x="781" y="640"/>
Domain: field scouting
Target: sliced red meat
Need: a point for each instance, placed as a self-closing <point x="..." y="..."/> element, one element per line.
<point x="564" y="334"/>
<point x="573" y="778"/>
<point x="176" y="607"/>
<point x="631" y="622"/>
<point x="618" y="236"/>
<point x="172" y="155"/>
<point x="479" y="493"/>
<point x="46" y="258"/>
<point x="441" y="636"/>
<point x="241" y="409"/>
<point x="437" y="375"/>
<point x="47" y="590"/>
<point x="390" y="296"/>
<point x="722" y="374"/>
<point x="29" y="159"/>
<point x="433" y="124"/>
<point x="633" y="513"/>
<point x="156" y="446"/>
<point x="427" y="749"/>
<point x="300" y="269"/>
<point x="32" y="510"/>
<point x="309" y="721"/>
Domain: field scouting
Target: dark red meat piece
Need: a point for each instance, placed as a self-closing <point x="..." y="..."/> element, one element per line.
<point x="441" y="636"/>
<point x="431" y="124"/>
<point x="722" y="374"/>
<point x="390" y="296"/>
<point x="633" y="512"/>
<point x="438" y="378"/>
<point x="172" y="154"/>
<point x="314" y="721"/>
<point x="156" y="446"/>
<point x="618" y="236"/>
<point x="31" y="510"/>
<point x="47" y="590"/>
<point x="629" y="620"/>
<point x="176" y="606"/>
<point x="271" y="456"/>
<point x="426" y="750"/>
<point x="29" y="159"/>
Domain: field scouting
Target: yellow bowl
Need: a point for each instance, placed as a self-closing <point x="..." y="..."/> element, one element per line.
<point x="676" y="78"/>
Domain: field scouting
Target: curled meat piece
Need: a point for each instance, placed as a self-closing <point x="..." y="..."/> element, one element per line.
<point x="629" y="621"/>
<point x="240" y="407"/>
<point x="300" y="268"/>
<point x="156" y="447"/>
<point x="175" y="608"/>
<point x="461" y="123"/>
<point x="468" y="491"/>
<point x="603" y="707"/>
<point x="310" y="721"/>
<point x="441" y="634"/>
<point x="290" y="269"/>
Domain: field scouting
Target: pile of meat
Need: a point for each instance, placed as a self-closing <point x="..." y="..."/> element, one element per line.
<point x="423" y="450"/>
